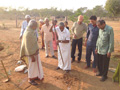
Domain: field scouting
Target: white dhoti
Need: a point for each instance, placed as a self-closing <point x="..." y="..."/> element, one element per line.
<point x="65" y="52"/>
<point x="65" y="49"/>
<point x="35" y="69"/>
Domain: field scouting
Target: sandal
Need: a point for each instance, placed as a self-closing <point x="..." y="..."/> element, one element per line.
<point x="32" y="82"/>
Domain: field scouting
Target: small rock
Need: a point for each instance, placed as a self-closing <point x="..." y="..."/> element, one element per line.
<point x="19" y="62"/>
<point x="26" y="70"/>
<point x="20" y="68"/>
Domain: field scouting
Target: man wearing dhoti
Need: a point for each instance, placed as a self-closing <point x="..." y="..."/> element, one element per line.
<point x="30" y="49"/>
<point x="64" y="59"/>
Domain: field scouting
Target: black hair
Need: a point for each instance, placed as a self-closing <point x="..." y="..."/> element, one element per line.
<point x="55" y="20"/>
<point x="66" y="22"/>
<point x="93" y="17"/>
<point x="61" y="24"/>
<point x="101" y="22"/>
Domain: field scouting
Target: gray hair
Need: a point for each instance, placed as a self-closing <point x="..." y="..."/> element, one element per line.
<point x="32" y="23"/>
<point x="27" y="16"/>
<point x="46" y="19"/>
<point x="61" y="24"/>
<point x="41" y="20"/>
<point x="101" y="22"/>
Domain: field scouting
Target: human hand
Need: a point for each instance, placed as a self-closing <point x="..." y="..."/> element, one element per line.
<point x="108" y="55"/>
<point x="33" y="59"/>
<point x="74" y="36"/>
<point x="96" y="51"/>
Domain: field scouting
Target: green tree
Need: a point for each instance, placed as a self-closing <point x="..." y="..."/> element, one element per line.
<point x="99" y="11"/>
<point x="113" y="7"/>
<point x="89" y="13"/>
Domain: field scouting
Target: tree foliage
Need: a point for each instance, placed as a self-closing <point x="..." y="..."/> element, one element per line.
<point x="113" y="7"/>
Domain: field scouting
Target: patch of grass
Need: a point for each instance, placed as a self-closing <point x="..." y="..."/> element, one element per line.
<point x="115" y="58"/>
<point x="3" y="75"/>
<point x="1" y="48"/>
<point x="3" y="27"/>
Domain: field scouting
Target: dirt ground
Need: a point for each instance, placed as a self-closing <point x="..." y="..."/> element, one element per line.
<point x="77" y="79"/>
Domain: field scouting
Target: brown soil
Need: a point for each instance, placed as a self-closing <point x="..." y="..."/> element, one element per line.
<point x="77" y="79"/>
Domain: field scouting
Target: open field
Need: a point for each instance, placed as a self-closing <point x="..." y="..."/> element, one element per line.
<point x="77" y="79"/>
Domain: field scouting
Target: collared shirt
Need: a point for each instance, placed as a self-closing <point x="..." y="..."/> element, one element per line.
<point x="92" y="35"/>
<point x="23" y="28"/>
<point x="105" y="42"/>
<point x="65" y="49"/>
<point x="79" y="29"/>
<point x="48" y="36"/>
<point x="63" y="35"/>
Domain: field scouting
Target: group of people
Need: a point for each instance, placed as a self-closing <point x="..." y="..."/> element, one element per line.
<point x="99" y="42"/>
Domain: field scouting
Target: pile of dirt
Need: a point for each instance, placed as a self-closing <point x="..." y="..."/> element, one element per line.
<point x="1" y="47"/>
<point x="67" y="79"/>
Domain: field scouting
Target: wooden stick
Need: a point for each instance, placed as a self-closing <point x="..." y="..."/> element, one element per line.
<point x="59" y="47"/>
<point x="61" y="54"/>
<point x="5" y="70"/>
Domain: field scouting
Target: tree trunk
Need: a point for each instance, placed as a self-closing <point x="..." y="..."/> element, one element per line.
<point x="16" y="21"/>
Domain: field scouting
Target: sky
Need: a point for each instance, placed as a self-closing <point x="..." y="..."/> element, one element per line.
<point x="60" y="4"/>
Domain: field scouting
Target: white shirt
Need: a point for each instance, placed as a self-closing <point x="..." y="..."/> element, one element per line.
<point x="48" y="36"/>
<point x="64" y="48"/>
<point x="23" y="28"/>
<point x="63" y="35"/>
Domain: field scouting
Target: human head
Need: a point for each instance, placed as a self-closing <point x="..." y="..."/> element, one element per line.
<point x="93" y="20"/>
<point x="41" y="22"/>
<point x="32" y="24"/>
<point x="54" y="22"/>
<point x="28" y="18"/>
<point x="46" y="21"/>
<point x="80" y="19"/>
<point x="61" y="26"/>
<point x="65" y="23"/>
<point x="101" y="24"/>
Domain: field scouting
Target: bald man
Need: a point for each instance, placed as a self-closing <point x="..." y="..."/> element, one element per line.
<point x="48" y="38"/>
<point x="78" y="29"/>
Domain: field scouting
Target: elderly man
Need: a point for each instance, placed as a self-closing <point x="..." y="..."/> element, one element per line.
<point x="64" y="59"/>
<point x="30" y="49"/>
<point x="41" y="24"/>
<point x="24" y="25"/>
<point x="78" y="29"/>
<point x="91" y="39"/>
<point x="104" y="48"/>
<point x="48" y="38"/>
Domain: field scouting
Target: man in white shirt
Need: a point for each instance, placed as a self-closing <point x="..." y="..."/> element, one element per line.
<point x="48" y="38"/>
<point x="64" y="57"/>
<point x="25" y="24"/>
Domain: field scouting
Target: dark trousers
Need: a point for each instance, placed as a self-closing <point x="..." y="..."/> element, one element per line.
<point x="103" y="64"/>
<point x="76" y="42"/>
<point x="89" y="51"/>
